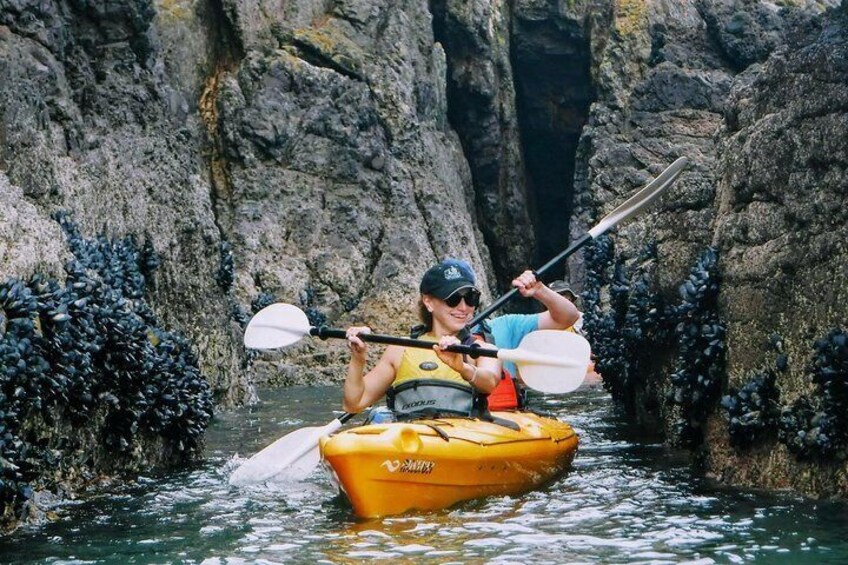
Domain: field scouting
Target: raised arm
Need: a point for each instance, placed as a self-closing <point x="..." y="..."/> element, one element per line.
<point x="561" y="313"/>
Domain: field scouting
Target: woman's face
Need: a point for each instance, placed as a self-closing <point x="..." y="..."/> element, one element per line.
<point x="451" y="318"/>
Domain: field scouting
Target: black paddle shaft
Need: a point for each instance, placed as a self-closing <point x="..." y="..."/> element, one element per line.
<point x="473" y="351"/>
<point x="538" y="272"/>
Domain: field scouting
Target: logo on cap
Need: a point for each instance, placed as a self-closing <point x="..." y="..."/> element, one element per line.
<point x="452" y="273"/>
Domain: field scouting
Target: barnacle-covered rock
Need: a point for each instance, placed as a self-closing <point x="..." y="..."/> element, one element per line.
<point x="262" y="300"/>
<point x="626" y="336"/>
<point x="752" y="411"/>
<point x="226" y="270"/>
<point x="817" y="427"/>
<point x="699" y="369"/>
<point x="90" y="352"/>
<point x="314" y="315"/>
<point x="631" y="327"/>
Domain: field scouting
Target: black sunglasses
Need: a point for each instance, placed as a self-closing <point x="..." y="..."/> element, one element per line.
<point x="471" y="297"/>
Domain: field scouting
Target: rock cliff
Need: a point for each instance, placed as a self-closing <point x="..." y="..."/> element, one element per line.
<point x="746" y="361"/>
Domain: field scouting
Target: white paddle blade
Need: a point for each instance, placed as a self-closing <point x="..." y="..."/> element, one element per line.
<point x="292" y="457"/>
<point x="642" y="199"/>
<point x="551" y="361"/>
<point x="276" y="326"/>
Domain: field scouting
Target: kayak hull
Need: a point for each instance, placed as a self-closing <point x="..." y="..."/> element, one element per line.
<point x="388" y="469"/>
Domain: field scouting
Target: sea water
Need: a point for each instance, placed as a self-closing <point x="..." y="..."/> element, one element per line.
<point x="627" y="499"/>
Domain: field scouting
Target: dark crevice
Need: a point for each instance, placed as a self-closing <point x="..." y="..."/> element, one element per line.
<point x="550" y="60"/>
<point x="477" y="115"/>
<point x="553" y="94"/>
<point x="318" y="58"/>
<point x="226" y="50"/>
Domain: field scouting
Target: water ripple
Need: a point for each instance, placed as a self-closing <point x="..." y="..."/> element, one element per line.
<point x="626" y="500"/>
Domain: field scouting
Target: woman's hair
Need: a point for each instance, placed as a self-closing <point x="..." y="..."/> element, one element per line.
<point x="424" y="315"/>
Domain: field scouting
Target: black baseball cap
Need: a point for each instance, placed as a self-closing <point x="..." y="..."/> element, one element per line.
<point x="447" y="277"/>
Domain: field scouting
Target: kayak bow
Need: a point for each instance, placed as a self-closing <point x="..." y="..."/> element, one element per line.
<point x="387" y="469"/>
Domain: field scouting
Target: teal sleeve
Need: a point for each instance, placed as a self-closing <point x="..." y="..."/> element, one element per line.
<point x="510" y="329"/>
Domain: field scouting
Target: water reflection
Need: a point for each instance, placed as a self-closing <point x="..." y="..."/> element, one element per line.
<point x="624" y="501"/>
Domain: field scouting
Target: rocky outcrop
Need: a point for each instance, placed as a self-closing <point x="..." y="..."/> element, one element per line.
<point x="661" y="83"/>
<point x="751" y="93"/>
<point x="344" y="180"/>
<point x="782" y="229"/>
<point x="94" y="124"/>
<point x="662" y="87"/>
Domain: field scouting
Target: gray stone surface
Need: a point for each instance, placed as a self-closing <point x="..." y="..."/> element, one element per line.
<point x="757" y="109"/>
<point x="782" y="227"/>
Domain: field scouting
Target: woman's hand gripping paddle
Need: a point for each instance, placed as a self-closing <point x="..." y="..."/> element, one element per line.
<point x="548" y="360"/>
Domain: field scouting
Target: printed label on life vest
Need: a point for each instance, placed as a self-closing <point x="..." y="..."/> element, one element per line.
<point x="409" y="466"/>
<point x="418" y="404"/>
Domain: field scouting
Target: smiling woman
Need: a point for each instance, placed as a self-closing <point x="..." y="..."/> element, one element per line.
<point x="427" y="382"/>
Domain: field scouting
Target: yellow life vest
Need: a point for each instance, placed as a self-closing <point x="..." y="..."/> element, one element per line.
<point x="424" y="364"/>
<point x="424" y="386"/>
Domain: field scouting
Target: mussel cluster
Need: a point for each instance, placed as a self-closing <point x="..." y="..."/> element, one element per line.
<point x="349" y="304"/>
<point x="307" y="300"/>
<point x="698" y="370"/>
<point x="600" y="322"/>
<point x="89" y="353"/>
<point x="647" y="321"/>
<point x="262" y="300"/>
<point x="625" y="336"/>
<point x="819" y="428"/>
<point x="636" y="323"/>
<point x="752" y="412"/>
<point x="239" y="315"/>
<point x="242" y="316"/>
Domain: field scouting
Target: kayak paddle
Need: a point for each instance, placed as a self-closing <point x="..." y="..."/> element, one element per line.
<point x="294" y="456"/>
<point x="629" y="209"/>
<point x="550" y="361"/>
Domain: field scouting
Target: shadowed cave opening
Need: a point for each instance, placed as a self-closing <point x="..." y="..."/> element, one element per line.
<point x="553" y="86"/>
<point x="550" y="60"/>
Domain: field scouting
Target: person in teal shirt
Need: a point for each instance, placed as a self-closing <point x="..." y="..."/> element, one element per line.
<point x="508" y="330"/>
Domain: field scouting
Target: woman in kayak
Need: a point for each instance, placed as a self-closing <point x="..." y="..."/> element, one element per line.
<point x="422" y="382"/>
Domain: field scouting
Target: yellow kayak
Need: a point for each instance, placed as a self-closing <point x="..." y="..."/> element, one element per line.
<point x="387" y="469"/>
